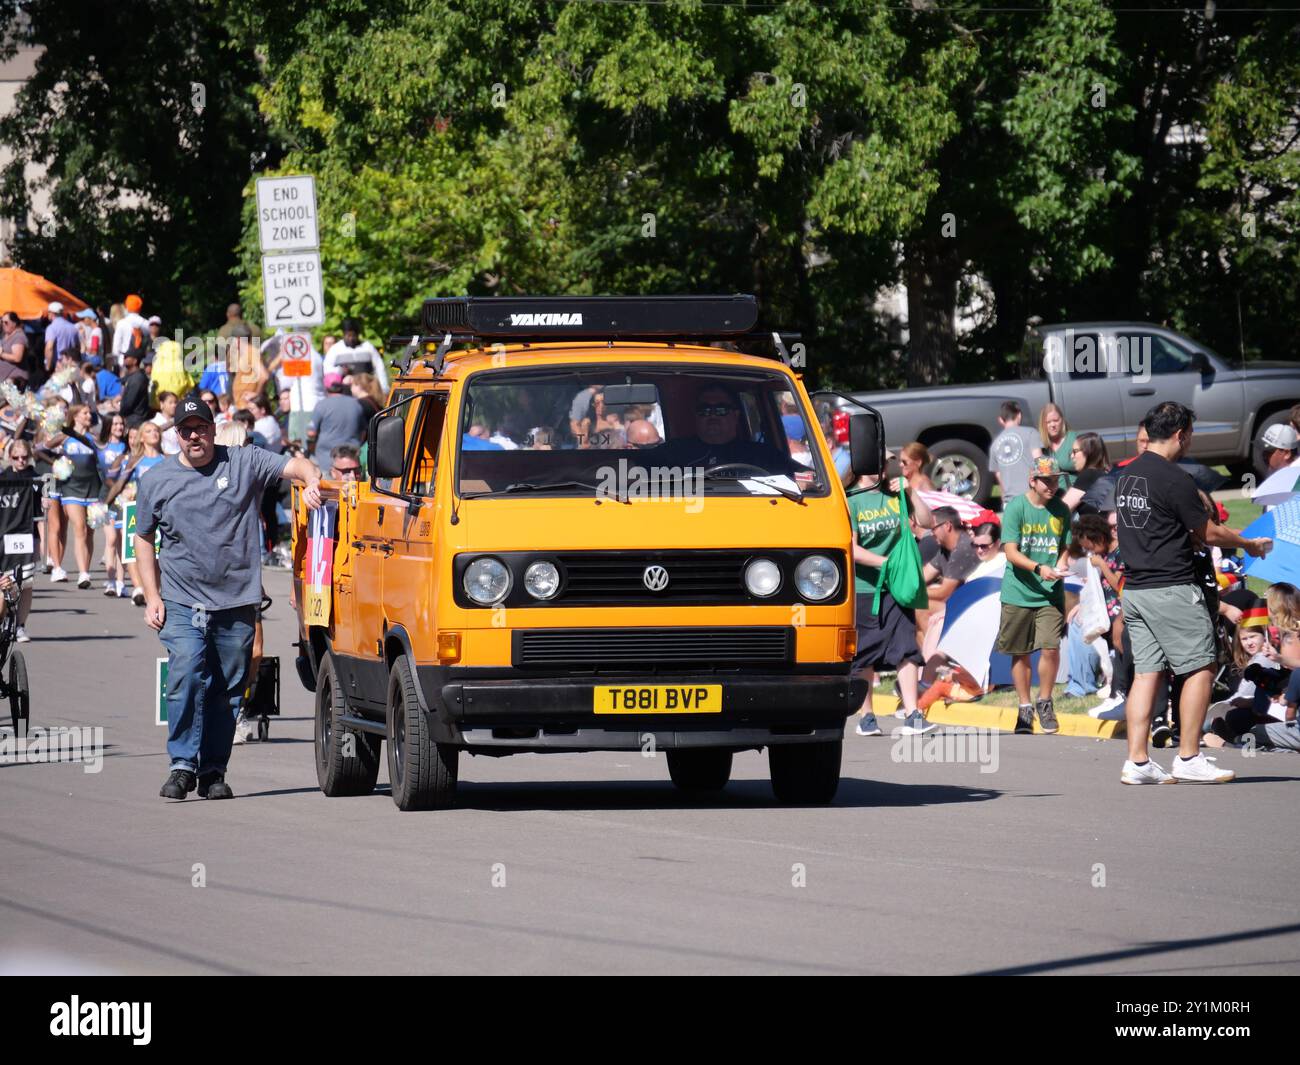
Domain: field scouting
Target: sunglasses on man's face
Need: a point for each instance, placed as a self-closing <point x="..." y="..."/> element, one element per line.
<point x="714" y="410"/>
<point x="347" y="471"/>
<point x="191" y="430"/>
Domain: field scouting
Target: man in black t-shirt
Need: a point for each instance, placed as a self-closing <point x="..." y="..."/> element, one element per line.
<point x="1160" y="515"/>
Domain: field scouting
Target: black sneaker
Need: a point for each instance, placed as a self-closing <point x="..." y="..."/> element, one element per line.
<point x="214" y="786"/>
<point x="179" y="784"/>
<point x="1024" y="720"/>
<point x="1047" y="716"/>
<point x="1161" y="734"/>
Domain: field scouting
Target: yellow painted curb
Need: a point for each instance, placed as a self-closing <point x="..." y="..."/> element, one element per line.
<point x="1003" y="718"/>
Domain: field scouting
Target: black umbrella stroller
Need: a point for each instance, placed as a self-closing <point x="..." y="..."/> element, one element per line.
<point x="18" y="503"/>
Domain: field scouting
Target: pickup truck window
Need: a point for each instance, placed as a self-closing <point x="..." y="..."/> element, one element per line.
<point x="695" y="429"/>
<point x="1166" y="357"/>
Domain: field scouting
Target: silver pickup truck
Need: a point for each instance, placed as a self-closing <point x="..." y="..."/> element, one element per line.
<point x="1105" y="376"/>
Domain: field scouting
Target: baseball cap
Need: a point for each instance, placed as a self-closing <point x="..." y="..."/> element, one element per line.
<point x="1044" y="466"/>
<point x="155" y="320"/>
<point x="55" y="307"/>
<point x="1282" y="437"/>
<point x="984" y="517"/>
<point x="194" y="407"/>
<point x="85" y="312"/>
<point x="133" y="303"/>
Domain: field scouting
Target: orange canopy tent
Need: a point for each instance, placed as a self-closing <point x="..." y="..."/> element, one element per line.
<point x="27" y="295"/>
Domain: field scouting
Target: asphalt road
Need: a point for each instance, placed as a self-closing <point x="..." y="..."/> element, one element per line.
<point x="593" y="863"/>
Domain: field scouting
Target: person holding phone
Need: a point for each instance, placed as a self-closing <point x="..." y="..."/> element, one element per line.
<point x="1035" y="535"/>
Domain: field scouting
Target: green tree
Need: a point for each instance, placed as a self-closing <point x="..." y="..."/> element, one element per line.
<point x="141" y="122"/>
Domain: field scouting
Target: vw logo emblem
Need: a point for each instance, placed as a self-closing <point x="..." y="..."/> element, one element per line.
<point x="655" y="578"/>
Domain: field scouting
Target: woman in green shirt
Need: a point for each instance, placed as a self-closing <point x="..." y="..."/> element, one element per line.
<point x="1058" y="439"/>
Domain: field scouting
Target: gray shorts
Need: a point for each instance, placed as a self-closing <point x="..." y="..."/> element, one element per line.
<point x="1170" y="629"/>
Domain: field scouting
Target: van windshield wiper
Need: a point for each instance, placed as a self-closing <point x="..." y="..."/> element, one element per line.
<point x="795" y="494"/>
<point x="542" y="486"/>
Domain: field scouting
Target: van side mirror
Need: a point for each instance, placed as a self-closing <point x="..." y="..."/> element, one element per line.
<point x="1201" y="363"/>
<point x="387" y="447"/>
<point x="866" y="442"/>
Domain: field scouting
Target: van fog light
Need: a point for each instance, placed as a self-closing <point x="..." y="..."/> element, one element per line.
<point x="542" y="580"/>
<point x="762" y="577"/>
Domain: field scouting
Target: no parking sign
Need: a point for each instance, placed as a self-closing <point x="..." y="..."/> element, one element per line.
<point x="297" y="355"/>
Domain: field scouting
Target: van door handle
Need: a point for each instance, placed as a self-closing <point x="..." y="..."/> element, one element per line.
<point x="387" y="549"/>
<point x="358" y="545"/>
<point x="1141" y="391"/>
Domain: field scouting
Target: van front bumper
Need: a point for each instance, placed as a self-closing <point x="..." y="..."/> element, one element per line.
<point x="557" y="712"/>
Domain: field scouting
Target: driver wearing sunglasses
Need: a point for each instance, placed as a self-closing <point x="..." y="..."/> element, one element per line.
<point x="721" y="439"/>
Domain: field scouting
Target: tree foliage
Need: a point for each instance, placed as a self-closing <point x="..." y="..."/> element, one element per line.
<point x="1077" y="160"/>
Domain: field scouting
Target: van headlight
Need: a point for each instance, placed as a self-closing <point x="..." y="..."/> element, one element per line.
<point x="762" y="577"/>
<point x="817" y="578"/>
<point x="486" y="581"/>
<point x="542" y="580"/>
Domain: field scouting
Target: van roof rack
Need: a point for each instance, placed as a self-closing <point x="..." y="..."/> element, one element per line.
<point x="547" y="319"/>
<point x="591" y="317"/>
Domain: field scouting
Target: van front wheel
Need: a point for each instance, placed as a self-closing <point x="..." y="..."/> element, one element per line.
<point x="421" y="770"/>
<point x="805" y="774"/>
<point x="699" y="769"/>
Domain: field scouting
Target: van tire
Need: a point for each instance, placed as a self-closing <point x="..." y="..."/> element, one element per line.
<point x="342" y="768"/>
<point x="699" y="769"/>
<point x="421" y="770"/>
<point x="805" y="774"/>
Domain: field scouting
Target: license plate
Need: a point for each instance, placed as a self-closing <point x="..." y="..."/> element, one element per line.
<point x="658" y="699"/>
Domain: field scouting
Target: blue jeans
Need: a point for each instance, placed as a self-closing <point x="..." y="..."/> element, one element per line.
<point x="1082" y="678"/>
<point x="207" y="669"/>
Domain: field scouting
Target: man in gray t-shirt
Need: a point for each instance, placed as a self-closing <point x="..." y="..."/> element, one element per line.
<point x="337" y="419"/>
<point x="1013" y="451"/>
<point x="203" y="584"/>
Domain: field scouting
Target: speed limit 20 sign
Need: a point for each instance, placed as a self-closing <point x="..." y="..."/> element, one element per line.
<point x="292" y="289"/>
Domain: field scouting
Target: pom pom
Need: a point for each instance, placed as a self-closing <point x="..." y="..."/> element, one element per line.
<point x="62" y="468"/>
<point x="52" y="420"/>
<point x="97" y="514"/>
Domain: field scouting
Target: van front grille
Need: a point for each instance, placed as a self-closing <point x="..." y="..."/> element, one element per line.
<point x="707" y="648"/>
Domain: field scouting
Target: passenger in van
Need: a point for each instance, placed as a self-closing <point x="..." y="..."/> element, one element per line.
<point x="642" y="433"/>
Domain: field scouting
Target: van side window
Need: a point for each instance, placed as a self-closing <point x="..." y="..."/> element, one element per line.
<point x="424" y="468"/>
<point x="389" y="484"/>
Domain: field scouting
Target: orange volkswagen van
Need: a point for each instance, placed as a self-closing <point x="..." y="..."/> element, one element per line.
<point x="589" y="524"/>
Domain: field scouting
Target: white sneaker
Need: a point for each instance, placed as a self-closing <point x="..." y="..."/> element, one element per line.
<point x="1103" y="709"/>
<point x="83" y="580"/>
<point x="58" y="574"/>
<point x="245" y="729"/>
<point x="109" y="589"/>
<point x="1103" y="693"/>
<point x="1200" y="770"/>
<point x="22" y="636"/>
<point x="119" y="589"/>
<point x="1144" y="774"/>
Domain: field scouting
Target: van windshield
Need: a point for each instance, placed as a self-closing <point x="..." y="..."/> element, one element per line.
<point x="618" y="429"/>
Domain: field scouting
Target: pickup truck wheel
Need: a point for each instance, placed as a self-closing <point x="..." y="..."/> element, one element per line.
<point x="422" y="771"/>
<point x="699" y="769"/>
<point x="962" y="468"/>
<point x="347" y="762"/>
<point x="805" y="774"/>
